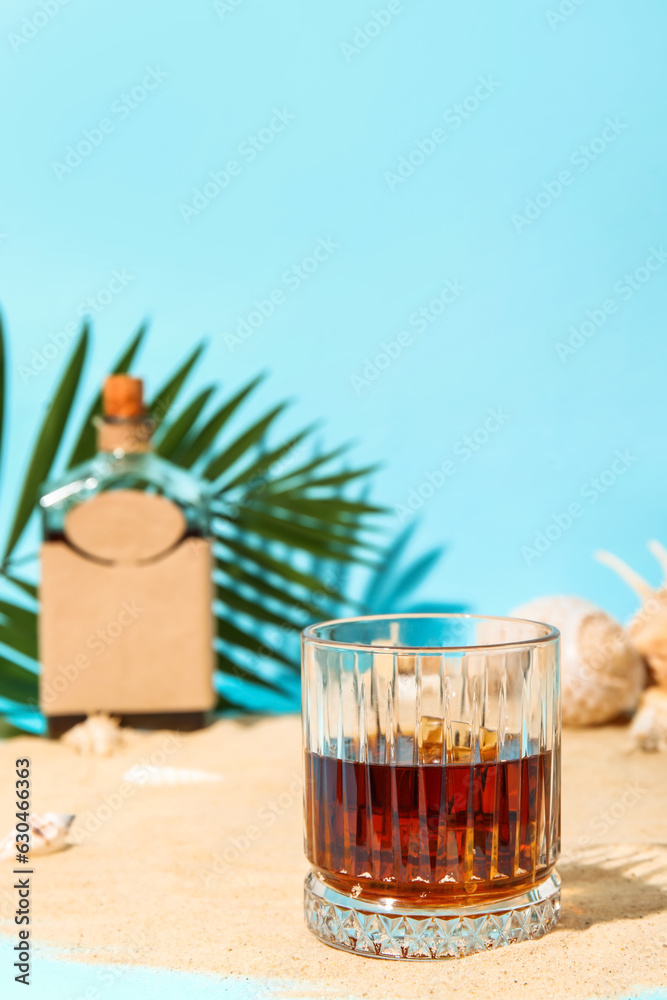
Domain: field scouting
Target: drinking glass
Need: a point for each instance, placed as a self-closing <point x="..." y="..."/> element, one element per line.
<point x="432" y="783"/>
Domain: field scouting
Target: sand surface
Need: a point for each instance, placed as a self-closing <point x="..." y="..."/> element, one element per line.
<point x="209" y="877"/>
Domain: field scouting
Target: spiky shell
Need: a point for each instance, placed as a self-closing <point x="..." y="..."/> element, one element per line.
<point x="648" y="630"/>
<point x="648" y="627"/>
<point x="649" y="727"/>
<point x="602" y="674"/>
<point x="48" y="833"/>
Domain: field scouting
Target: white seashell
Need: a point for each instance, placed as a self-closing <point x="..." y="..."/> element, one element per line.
<point x="649" y="727"/>
<point x="648" y="627"/>
<point x="48" y="833"/>
<point x="148" y="774"/>
<point x="602" y="674"/>
<point x="98" y="736"/>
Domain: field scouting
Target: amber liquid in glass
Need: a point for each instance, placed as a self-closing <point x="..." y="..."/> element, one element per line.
<point x="458" y="832"/>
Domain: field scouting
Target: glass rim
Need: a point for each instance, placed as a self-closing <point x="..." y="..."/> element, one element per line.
<point x="309" y="635"/>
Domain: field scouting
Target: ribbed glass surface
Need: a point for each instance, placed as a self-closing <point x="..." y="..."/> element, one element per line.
<point x="432" y="756"/>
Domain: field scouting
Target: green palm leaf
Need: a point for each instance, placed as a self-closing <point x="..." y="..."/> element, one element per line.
<point x="21" y="617"/>
<point x="205" y="437"/>
<point x="232" y="599"/>
<point x="392" y="557"/>
<point x="280" y="569"/>
<point x="411" y="578"/>
<point x="337" y="480"/>
<point x="237" y="448"/>
<point x="390" y="587"/>
<point x="323" y="508"/>
<point x="48" y="442"/>
<point x="2" y="387"/>
<point x="301" y="536"/>
<point x="303" y="471"/>
<point x="242" y="673"/>
<point x="261" y="467"/>
<point x="166" y="396"/>
<point x="229" y="633"/>
<point x="259" y="584"/>
<point x="322" y="523"/>
<point x="19" y="641"/>
<point x="17" y="683"/>
<point x="175" y="433"/>
<point x="27" y="588"/>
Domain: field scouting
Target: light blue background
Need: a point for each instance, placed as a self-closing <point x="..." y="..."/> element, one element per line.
<point x="355" y="114"/>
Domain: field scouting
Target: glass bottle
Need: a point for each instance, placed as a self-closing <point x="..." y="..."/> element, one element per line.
<point x="126" y="523"/>
<point x="125" y="460"/>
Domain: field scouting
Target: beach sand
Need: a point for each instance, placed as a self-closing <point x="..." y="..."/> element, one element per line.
<point x="208" y="877"/>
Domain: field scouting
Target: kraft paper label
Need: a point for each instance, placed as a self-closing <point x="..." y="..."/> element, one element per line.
<point x="125" y="526"/>
<point x="127" y="638"/>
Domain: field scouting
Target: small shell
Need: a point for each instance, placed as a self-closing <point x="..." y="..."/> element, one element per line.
<point x="48" y="833"/>
<point x="649" y="727"/>
<point x="148" y="774"/>
<point x="648" y="627"/>
<point x="602" y="674"/>
<point x="98" y="736"/>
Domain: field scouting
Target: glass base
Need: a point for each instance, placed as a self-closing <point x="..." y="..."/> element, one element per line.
<point x="421" y="932"/>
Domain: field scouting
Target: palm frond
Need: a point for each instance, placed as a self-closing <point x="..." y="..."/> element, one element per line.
<point x="170" y="437"/>
<point x="2" y="387"/>
<point x="24" y="585"/>
<point x="281" y="569"/>
<point x="391" y="587"/>
<point x="202" y="438"/>
<point x="229" y="633"/>
<point x="231" y="598"/>
<point x="319" y="508"/>
<point x="300" y="475"/>
<point x="337" y="480"/>
<point x="298" y="535"/>
<point x="262" y="591"/>
<point x="166" y="396"/>
<point x="48" y="442"/>
<point x="17" y="683"/>
<point x="231" y="454"/>
<point x="410" y="579"/>
<point x="242" y="673"/>
<point x="393" y="555"/>
<point x="259" y="470"/>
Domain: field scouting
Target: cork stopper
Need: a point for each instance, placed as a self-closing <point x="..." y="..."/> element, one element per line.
<point x="123" y="397"/>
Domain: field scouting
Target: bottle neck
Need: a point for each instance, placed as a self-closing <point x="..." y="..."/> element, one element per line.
<point x="128" y="436"/>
